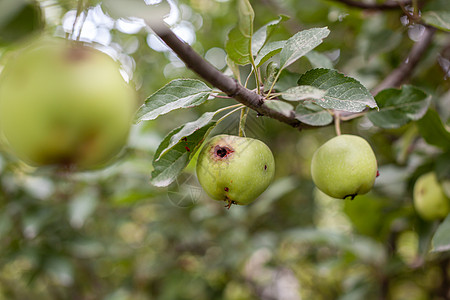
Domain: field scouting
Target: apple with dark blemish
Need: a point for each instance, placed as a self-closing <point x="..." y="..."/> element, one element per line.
<point x="235" y="169"/>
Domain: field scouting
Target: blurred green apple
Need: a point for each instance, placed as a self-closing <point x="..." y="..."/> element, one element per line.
<point x="235" y="169"/>
<point x="345" y="166"/>
<point x="64" y="103"/>
<point x="430" y="201"/>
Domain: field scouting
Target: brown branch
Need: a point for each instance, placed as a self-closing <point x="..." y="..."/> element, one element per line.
<point x="375" y="6"/>
<point x="403" y="72"/>
<point x="216" y="78"/>
<point x="255" y="101"/>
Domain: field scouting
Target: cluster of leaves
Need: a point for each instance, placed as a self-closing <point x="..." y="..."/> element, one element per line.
<point x="318" y="93"/>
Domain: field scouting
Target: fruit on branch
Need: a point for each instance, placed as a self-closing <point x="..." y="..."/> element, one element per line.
<point x="344" y="167"/>
<point x="235" y="169"/>
<point x="64" y="103"/>
<point x="429" y="198"/>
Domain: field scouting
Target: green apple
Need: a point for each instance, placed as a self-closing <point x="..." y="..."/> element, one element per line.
<point x="64" y="103"/>
<point x="235" y="169"/>
<point x="429" y="199"/>
<point x="345" y="166"/>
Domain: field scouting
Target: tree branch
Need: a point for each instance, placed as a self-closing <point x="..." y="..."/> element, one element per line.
<point x="255" y="101"/>
<point x="216" y="78"/>
<point x="399" y="75"/>
<point x="375" y="6"/>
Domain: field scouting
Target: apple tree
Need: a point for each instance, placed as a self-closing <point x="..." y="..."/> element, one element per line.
<point x="326" y="122"/>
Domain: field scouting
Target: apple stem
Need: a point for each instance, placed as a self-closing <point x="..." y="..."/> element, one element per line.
<point x="242" y="120"/>
<point x="230" y="202"/>
<point x="351" y="196"/>
<point x="80" y="8"/>
<point x="337" y="122"/>
<point x="229" y="113"/>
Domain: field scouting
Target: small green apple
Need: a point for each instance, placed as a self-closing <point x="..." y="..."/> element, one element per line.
<point x="64" y="103"/>
<point x="345" y="166"/>
<point x="235" y="169"/>
<point x="429" y="199"/>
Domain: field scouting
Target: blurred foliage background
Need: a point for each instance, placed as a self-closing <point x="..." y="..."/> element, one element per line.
<point x="109" y="234"/>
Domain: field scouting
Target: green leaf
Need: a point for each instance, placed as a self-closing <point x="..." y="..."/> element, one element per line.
<point x="341" y="92"/>
<point x="179" y="93"/>
<point x="442" y="169"/>
<point x="442" y="166"/>
<point x="303" y="92"/>
<point x="433" y="131"/>
<point x="439" y="19"/>
<point x="261" y="36"/>
<point x="188" y="129"/>
<point x="441" y="239"/>
<point x="168" y="165"/>
<point x="271" y="72"/>
<point x="233" y="67"/>
<point x="300" y="44"/>
<point x="246" y="16"/>
<point x="238" y="44"/>
<point x="268" y="51"/>
<point x="238" y="47"/>
<point x="312" y="114"/>
<point x="399" y="106"/>
<point x="319" y="60"/>
<point x="280" y="106"/>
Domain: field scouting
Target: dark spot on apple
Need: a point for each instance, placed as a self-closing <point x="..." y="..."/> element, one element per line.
<point x="187" y="148"/>
<point x="77" y="53"/>
<point x="222" y="151"/>
<point x="226" y="189"/>
<point x="378" y="173"/>
<point x="265" y="167"/>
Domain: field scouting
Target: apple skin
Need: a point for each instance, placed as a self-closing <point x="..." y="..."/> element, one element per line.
<point x="64" y="103"/>
<point x="345" y="166"/>
<point x="429" y="198"/>
<point x="235" y="169"/>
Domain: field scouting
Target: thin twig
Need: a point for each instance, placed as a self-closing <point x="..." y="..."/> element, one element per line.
<point x="242" y="120"/>
<point x="337" y="122"/>
<point x="412" y="16"/>
<point x="375" y="6"/>
<point x="221" y="97"/>
<point x="80" y="10"/>
<point x="352" y="116"/>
